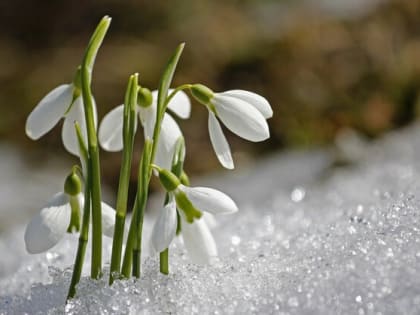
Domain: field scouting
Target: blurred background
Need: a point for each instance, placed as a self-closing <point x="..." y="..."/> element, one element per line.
<point x="324" y="65"/>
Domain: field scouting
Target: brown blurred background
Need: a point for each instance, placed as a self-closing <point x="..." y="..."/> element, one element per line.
<point x="324" y="65"/>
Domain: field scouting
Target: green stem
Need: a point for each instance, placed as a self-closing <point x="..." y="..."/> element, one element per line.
<point x="74" y="225"/>
<point x="128" y="254"/>
<point x="132" y="255"/>
<point x="133" y="244"/>
<point x="93" y="165"/>
<point x="130" y="104"/>
<point x="84" y="232"/>
<point x="179" y="88"/>
<point x="142" y="194"/>
<point x="81" y="249"/>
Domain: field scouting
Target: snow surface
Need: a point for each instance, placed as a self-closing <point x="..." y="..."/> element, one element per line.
<point x="308" y="239"/>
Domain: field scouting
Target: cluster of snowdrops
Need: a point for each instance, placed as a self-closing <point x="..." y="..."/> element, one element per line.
<point x="79" y="207"/>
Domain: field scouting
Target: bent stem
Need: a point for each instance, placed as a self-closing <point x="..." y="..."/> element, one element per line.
<point x="84" y="232"/>
<point x="130" y="104"/>
<point x="93" y="162"/>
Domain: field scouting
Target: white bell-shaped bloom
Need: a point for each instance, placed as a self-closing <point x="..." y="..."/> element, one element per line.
<point x="56" y="105"/>
<point x="111" y="128"/>
<point x="242" y="112"/>
<point x="49" y="226"/>
<point x="197" y="237"/>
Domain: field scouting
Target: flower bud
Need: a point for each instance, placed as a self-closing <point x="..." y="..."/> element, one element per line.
<point x="202" y="93"/>
<point x="72" y="184"/>
<point x="144" y="97"/>
<point x="168" y="179"/>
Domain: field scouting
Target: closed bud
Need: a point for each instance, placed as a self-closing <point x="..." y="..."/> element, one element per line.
<point x="202" y="93"/>
<point x="168" y="179"/>
<point x="145" y="97"/>
<point x="72" y="184"/>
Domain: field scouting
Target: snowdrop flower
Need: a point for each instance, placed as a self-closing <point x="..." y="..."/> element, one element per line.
<point x="190" y="202"/>
<point x="242" y="112"/>
<point x="110" y="130"/>
<point x="65" y="102"/>
<point x="60" y="215"/>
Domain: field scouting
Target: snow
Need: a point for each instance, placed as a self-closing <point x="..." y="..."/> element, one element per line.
<point x="308" y="239"/>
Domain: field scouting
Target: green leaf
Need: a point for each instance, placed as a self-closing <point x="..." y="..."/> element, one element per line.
<point x="130" y="101"/>
<point x="95" y="42"/>
<point x="166" y="79"/>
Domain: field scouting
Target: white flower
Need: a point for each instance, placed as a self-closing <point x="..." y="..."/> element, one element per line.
<point x="243" y="112"/>
<point x="197" y="237"/>
<point x="49" y="226"/>
<point x="110" y="130"/>
<point x="55" y="105"/>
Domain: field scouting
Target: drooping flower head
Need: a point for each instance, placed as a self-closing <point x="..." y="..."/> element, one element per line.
<point x="190" y="203"/>
<point x="60" y="215"/>
<point x="65" y="101"/>
<point x="110" y="130"/>
<point x="242" y="112"/>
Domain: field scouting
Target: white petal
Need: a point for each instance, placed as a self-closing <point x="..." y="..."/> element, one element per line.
<point x="241" y="118"/>
<point x="209" y="199"/>
<point x="164" y="230"/>
<point x="108" y="220"/>
<point x="68" y="135"/>
<point x="111" y="130"/>
<point x="48" y="226"/>
<point x="219" y="142"/>
<point x="49" y="111"/>
<point x="259" y="102"/>
<point x="148" y="119"/>
<point x="210" y="220"/>
<point x="199" y="242"/>
<point x="180" y="104"/>
<point x="169" y="135"/>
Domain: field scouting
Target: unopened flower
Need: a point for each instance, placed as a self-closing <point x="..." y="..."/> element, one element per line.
<point x="110" y="130"/>
<point x="242" y="112"/>
<point x="65" y="102"/>
<point x="191" y="202"/>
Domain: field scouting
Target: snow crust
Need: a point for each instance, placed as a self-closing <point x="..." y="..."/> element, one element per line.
<point x="308" y="239"/>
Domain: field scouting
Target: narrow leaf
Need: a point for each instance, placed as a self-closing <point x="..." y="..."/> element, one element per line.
<point x="166" y="79"/>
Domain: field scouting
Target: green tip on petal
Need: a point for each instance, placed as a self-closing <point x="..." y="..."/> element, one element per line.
<point x="184" y="204"/>
<point x="202" y="93"/>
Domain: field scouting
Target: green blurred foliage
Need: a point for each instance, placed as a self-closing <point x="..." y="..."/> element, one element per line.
<point x="320" y="71"/>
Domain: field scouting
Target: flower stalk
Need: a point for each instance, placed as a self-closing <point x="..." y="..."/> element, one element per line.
<point x="93" y="149"/>
<point x="84" y="231"/>
<point x="132" y="256"/>
<point x="129" y="120"/>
